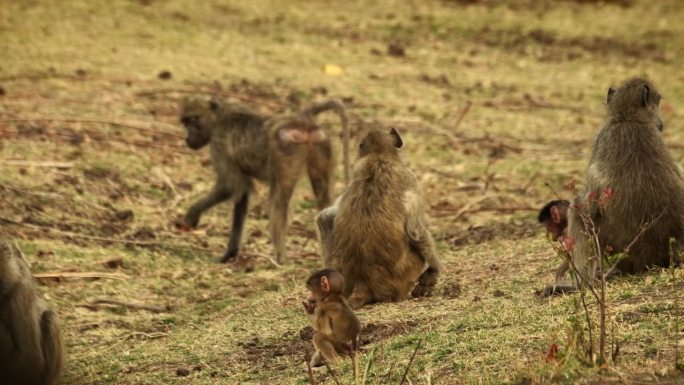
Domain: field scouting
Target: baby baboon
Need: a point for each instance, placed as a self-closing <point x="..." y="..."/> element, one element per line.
<point x="376" y="233"/>
<point x="277" y="150"/>
<point x="337" y="328"/>
<point x="631" y="181"/>
<point x="31" y="348"/>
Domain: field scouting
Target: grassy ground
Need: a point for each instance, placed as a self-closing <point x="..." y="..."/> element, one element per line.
<point x="80" y="87"/>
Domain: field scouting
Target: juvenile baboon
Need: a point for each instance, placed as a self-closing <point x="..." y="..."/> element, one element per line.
<point x="31" y="348"/>
<point x="337" y="327"/>
<point x="633" y="191"/>
<point x="376" y="232"/>
<point x="245" y="145"/>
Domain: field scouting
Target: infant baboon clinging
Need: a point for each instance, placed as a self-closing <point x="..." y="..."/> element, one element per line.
<point x="31" y="348"/>
<point x="337" y="327"/>
<point x="245" y="145"/>
<point x="376" y="233"/>
<point x="631" y="181"/>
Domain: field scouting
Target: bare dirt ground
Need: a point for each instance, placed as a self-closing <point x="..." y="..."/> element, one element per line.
<point x="497" y="101"/>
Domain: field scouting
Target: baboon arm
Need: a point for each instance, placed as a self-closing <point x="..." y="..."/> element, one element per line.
<point x="325" y="221"/>
<point x="422" y="243"/>
<point x="52" y="346"/>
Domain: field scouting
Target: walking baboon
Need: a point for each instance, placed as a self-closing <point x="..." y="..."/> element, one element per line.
<point x="633" y="191"/>
<point x="31" y="348"/>
<point x="376" y="233"/>
<point x="245" y="145"/>
<point x="337" y="327"/>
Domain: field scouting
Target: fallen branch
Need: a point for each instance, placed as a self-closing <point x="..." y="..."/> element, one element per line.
<point x="88" y="274"/>
<point x="151" y="308"/>
<point x="209" y="91"/>
<point x="264" y="256"/>
<point x="92" y="121"/>
<point x="413" y="356"/>
<point x="38" y="163"/>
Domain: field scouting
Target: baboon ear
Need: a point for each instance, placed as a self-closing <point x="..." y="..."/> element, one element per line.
<point x="611" y="93"/>
<point x="398" y="142"/>
<point x="214" y="105"/>
<point x="325" y="284"/>
<point x="645" y="96"/>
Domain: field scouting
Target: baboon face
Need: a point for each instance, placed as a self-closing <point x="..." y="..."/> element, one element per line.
<point x="377" y="142"/>
<point x="636" y="98"/>
<point x="198" y="117"/>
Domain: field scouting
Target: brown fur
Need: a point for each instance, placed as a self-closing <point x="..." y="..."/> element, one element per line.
<point x="376" y="233"/>
<point x="31" y="347"/>
<point x="277" y="150"/>
<point x="630" y="157"/>
<point x="337" y="327"/>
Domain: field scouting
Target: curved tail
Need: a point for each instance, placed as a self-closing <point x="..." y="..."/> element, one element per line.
<point x="338" y="107"/>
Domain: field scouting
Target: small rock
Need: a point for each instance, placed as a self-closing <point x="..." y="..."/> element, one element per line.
<point x="498" y="293"/>
<point x="165" y="75"/>
<point x="182" y="372"/>
<point x="396" y="50"/>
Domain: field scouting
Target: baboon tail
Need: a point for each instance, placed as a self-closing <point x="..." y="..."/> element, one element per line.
<point x="52" y="346"/>
<point x="338" y="107"/>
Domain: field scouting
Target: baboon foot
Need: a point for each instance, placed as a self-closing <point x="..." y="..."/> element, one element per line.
<point x="229" y="256"/>
<point x="557" y="289"/>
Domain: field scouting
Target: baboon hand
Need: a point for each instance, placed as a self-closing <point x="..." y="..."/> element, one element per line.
<point x="426" y="283"/>
<point x="191" y="220"/>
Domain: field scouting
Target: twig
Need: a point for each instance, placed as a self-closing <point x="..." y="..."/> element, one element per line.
<point x="332" y="373"/>
<point x="209" y="91"/>
<point x="368" y="365"/>
<point x="38" y="163"/>
<point x="266" y="257"/>
<point x="89" y="274"/>
<point x="102" y="239"/>
<point x="464" y="112"/>
<point x="92" y="121"/>
<point x="308" y="369"/>
<point x="413" y="356"/>
<point x="150" y="308"/>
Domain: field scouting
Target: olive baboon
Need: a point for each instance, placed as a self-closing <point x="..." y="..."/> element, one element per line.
<point x="376" y="233"/>
<point x="31" y="348"/>
<point x="337" y="327"/>
<point x="245" y="145"/>
<point x="633" y="191"/>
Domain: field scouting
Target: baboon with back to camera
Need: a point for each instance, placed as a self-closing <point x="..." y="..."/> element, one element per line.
<point x="376" y="233"/>
<point x="633" y="191"/>
<point x="31" y="347"/>
<point x="245" y="145"/>
<point x="337" y="327"/>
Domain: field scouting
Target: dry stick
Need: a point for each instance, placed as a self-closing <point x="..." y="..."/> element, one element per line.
<point x="258" y="255"/>
<point x="91" y="121"/>
<point x="38" y="163"/>
<point x="368" y="365"/>
<point x="332" y="374"/>
<point x="464" y="112"/>
<point x="89" y="274"/>
<point x="151" y="308"/>
<point x="107" y="140"/>
<point x="309" y="371"/>
<point x="403" y="378"/>
<point x="211" y="92"/>
<point x="54" y="196"/>
<point x="102" y="239"/>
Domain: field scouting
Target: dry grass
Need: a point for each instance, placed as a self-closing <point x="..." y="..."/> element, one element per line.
<point x="535" y="73"/>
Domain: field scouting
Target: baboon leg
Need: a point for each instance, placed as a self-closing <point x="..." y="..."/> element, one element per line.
<point x="325" y="220"/>
<point x="326" y="348"/>
<point x="320" y="173"/>
<point x="316" y="359"/>
<point x="51" y="342"/>
<point x="422" y="244"/>
<point x="217" y="195"/>
<point x="239" y="215"/>
<point x="280" y="201"/>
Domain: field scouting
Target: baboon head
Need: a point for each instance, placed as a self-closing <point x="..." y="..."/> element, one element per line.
<point x="198" y="117"/>
<point x="378" y="142"/>
<point x="636" y="99"/>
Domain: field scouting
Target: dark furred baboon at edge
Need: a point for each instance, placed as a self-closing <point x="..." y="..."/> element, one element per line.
<point x="245" y="145"/>
<point x="31" y="348"/>
<point x="631" y="181"/>
<point x="376" y="233"/>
